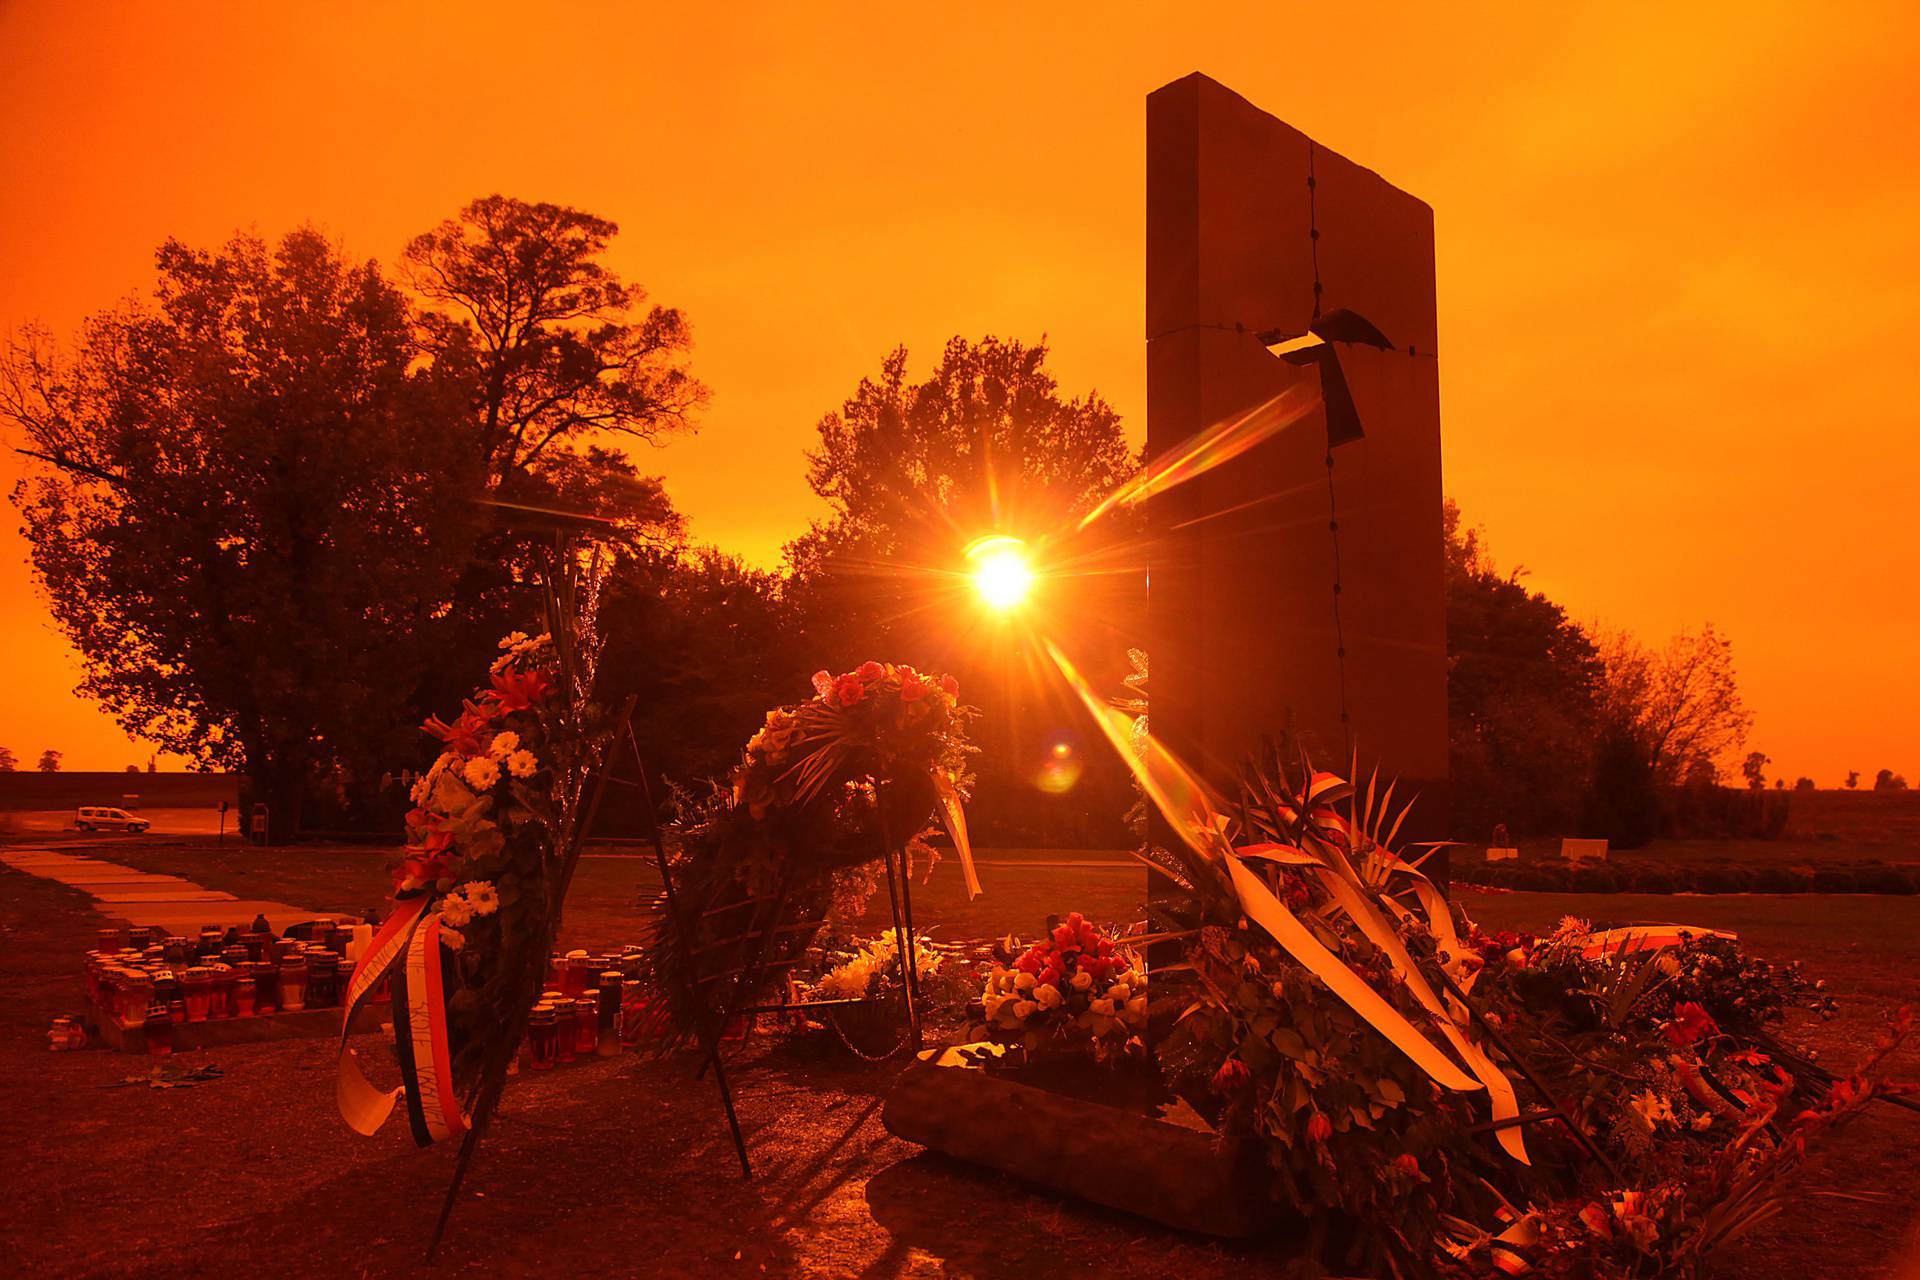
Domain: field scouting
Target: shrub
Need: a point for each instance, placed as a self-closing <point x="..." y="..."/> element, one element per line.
<point x="1836" y="880"/>
<point x="1885" y="880"/>
<point x="1780" y="880"/>
<point x="1595" y="880"/>
<point x="1651" y="877"/>
<point x="1722" y="880"/>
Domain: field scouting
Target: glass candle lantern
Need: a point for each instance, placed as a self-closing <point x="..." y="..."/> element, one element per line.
<point x="136" y="989"/>
<point x="586" y="1023"/>
<point x="199" y="985"/>
<point x="612" y="995"/>
<point x="159" y="1035"/>
<point x="266" y="986"/>
<point x="293" y="983"/>
<point x="565" y="1038"/>
<point x="540" y="1032"/>
<point x="177" y="1012"/>
<point x="224" y="981"/>
<point x="323" y="967"/>
<point x="245" y="993"/>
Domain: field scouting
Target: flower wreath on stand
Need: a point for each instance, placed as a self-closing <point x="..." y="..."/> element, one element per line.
<point x="822" y="791"/>
<point x="477" y="890"/>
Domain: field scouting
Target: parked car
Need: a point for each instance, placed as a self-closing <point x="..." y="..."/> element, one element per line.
<point x="100" y="818"/>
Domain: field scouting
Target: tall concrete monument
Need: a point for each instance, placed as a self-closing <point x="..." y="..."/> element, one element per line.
<point x="1300" y="583"/>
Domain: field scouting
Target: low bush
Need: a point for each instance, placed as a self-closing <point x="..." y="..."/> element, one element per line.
<point x="1594" y="880"/>
<point x="1836" y="880"/>
<point x="1552" y="875"/>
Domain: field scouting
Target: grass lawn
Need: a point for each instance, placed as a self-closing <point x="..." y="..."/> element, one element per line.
<point x="622" y="1166"/>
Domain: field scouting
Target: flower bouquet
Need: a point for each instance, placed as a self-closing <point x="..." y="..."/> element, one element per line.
<point x="1075" y="992"/>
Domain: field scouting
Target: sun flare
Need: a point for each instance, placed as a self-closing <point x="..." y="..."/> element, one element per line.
<point x="1001" y="573"/>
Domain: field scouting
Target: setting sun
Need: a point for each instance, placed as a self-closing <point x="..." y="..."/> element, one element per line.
<point x="1001" y="573"/>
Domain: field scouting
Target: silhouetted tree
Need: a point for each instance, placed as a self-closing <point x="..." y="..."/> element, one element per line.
<point x="1888" y="780"/>
<point x="1803" y="784"/>
<point x="1753" y="769"/>
<point x="50" y="761"/>
<point x="1853" y="779"/>
<point x="1520" y="697"/>
<point x="8" y="761"/>
<point x="551" y="344"/>
<point x="249" y="508"/>
<point x="707" y="644"/>
<point x="554" y="357"/>
<point x="911" y="472"/>
<point x="1681" y="703"/>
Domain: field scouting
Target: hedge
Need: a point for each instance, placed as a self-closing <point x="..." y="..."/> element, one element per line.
<point x="1555" y="876"/>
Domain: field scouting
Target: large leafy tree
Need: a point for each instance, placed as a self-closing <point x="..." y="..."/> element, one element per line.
<point x="556" y="351"/>
<point x="558" y="362"/>
<point x="248" y="506"/>
<point x="911" y="471"/>
<point x="1522" y="694"/>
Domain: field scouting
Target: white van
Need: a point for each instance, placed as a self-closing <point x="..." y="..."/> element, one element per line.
<point x="93" y="818"/>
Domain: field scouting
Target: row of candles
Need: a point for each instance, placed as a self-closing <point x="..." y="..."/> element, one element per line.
<point x="579" y="1013"/>
<point x="146" y="980"/>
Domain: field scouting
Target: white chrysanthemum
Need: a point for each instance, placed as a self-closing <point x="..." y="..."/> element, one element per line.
<point x="481" y="773"/>
<point x="504" y="745"/>
<point x="1119" y="992"/>
<point x="483" y="897"/>
<point x="1024" y="981"/>
<point x="455" y="910"/>
<point x="1082" y="980"/>
<point x="521" y="764"/>
<point x="1048" y="996"/>
<point x="452" y="937"/>
<point x="1102" y="1007"/>
<point x="1024" y="1009"/>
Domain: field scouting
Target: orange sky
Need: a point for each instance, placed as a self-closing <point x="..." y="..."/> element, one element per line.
<point x="1678" y="263"/>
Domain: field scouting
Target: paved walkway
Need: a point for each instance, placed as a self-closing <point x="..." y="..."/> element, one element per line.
<point x="146" y="898"/>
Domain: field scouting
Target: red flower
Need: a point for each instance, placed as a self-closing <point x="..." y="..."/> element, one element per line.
<point x="1690" y="1023"/>
<point x="950" y="686"/>
<point x="849" y="689"/>
<point x="1319" y="1128"/>
<point x="1066" y="937"/>
<point x="1405" y="1165"/>
<point x="1232" y="1074"/>
<point x="519" y="690"/>
<point x="912" y="687"/>
<point x="467" y="736"/>
<point x="870" y="671"/>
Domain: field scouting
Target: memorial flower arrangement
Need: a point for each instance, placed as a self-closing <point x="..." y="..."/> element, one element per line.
<point x="1074" y="988"/>
<point x="491" y="842"/>
<point x="1596" y="1103"/>
<point x="1592" y="1102"/>
<point x="823" y="789"/>
<point x="872" y="967"/>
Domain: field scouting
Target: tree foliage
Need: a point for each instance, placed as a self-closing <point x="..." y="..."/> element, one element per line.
<point x="1681" y="702"/>
<point x="8" y="761"/>
<point x="1521" y="694"/>
<point x="249" y="506"/>
<point x="50" y="761"/>
<point x="553" y="347"/>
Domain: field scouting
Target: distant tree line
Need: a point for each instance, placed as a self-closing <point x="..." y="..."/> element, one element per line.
<point x="283" y="510"/>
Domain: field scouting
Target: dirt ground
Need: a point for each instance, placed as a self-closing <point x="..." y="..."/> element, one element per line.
<point x="622" y="1167"/>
